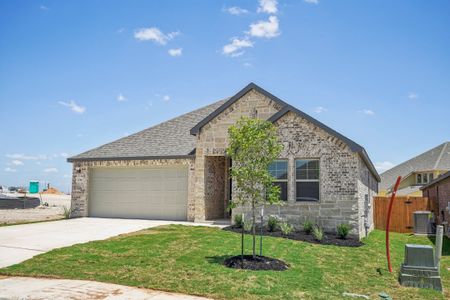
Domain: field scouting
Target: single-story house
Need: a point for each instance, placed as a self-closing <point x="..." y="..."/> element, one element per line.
<point x="438" y="191"/>
<point x="178" y="170"/>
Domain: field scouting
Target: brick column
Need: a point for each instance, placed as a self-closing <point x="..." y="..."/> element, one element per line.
<point x="199" y="189"/>
<point x="80" y="188"/>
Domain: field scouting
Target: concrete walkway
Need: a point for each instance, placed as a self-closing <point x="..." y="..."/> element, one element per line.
<point x="21" y="242"/>
<point x="60" y="289"/>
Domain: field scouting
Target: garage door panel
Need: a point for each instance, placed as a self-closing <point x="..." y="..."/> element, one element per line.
<point x="152" y="193"/>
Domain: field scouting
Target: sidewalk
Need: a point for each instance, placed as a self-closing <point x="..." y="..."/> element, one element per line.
<point x="62" y="289"/>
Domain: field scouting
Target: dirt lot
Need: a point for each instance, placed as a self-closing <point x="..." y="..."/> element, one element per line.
<point x="54" y="211"/>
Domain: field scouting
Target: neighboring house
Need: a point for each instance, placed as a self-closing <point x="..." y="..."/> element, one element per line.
<point x="417" y="171"/>
<point x="438" y="191"/>
<point x="178" y="170"/>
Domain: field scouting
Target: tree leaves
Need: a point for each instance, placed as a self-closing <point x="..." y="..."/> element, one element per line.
<point x="253" y="146"/>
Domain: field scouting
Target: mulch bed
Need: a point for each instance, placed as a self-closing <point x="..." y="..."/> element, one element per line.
<point x="255" y="263"/>
<point x="329" y="238"/>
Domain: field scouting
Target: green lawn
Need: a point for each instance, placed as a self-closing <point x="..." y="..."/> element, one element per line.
<point x="189" y="259"/>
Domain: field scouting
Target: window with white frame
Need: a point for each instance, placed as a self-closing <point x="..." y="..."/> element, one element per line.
<point x="307" y="180"/>
<point x="424" y="178"/>
<point x="279" y="169"/>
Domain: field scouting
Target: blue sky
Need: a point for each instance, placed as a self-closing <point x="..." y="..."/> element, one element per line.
<point x="77" y="74"/>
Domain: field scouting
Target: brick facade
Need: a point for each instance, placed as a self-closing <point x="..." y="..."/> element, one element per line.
<point x="343" y="179"/>
<point x="439" y="193"/>
<point x="212" y="141"/>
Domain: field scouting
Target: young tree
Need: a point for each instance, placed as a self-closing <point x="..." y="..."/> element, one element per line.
<point x="253" y="145"/>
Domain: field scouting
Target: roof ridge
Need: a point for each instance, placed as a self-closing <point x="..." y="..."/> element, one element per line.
<point x="440" y="155"/>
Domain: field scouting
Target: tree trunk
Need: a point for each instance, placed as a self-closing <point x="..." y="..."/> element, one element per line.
<point x="254" y="228"/>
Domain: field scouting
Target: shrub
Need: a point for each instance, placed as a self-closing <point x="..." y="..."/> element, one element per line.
<point x="238" y="221"/>
<point x="273" y="223"/>
<point x="248" y="225"/>
<point x="286" y="228"/>
<point x="342" y="230"/>
<point x="318" y="233"/>
<point x="66" y="212"/>
<point x="308" y="227"/>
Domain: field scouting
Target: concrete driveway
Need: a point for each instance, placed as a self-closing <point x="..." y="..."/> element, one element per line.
<point x="21" y="242"/>
<point x="40" y="288"/>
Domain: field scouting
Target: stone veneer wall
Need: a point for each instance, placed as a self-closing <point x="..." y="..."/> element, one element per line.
<point x="80" y="180"/>
<point x="339" y="175"/>
<point x="214" y="187"/>
<point x="367" y="189"/>
<point x="212" y="138"/>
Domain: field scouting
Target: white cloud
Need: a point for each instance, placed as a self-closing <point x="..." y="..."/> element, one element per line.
<point x="265" y="29"/>
<point x="120" y="30"/>
<point x="27" y="157"/>
<point x="155" y="35"/>
<point x="368" y="112"/>
<point x="234" y="48"/>
<point x="384" y="166"/>
<point x="413" y="96"/>
<point x="51" y="170"/>
<point x="8" y="169"/>
<point x="64" y="154"/>
<point x="166" y="97"/>
<point x="73" y="106"/>
<point x="248" y="65"/>
<point x="268" y="6"/>
<point x="312" y="1"/>
<point x="175" y="52"/>
<point x="235" y="10"/>
<point x="320" y="109"/>
<point x="79" y="135"/>
<point x="121" y="98"/>
<point x="17" y="162"/>
<point x="43" y="7"/>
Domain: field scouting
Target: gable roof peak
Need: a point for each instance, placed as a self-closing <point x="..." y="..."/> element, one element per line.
<point x="251" y="86"/>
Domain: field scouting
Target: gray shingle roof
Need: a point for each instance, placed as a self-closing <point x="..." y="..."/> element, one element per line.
<point x="437" y="158"/>
<point x="169" y="139"/>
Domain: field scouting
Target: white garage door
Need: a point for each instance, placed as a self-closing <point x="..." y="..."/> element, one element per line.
<point x="148" y="193"/>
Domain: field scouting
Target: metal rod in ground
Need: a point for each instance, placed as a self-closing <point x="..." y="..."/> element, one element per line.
<point x="261" y="232"/>
<point x="242" y="242"/>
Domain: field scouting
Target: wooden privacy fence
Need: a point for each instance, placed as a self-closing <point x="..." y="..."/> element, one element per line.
<point x="402" y="219"/>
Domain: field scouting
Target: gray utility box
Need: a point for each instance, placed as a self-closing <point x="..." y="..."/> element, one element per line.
<point x="423" y="222"/>
<point x="420" y="268"/>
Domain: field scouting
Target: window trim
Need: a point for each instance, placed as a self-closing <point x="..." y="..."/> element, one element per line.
<point x="306" y="180"/>
<point x="284" y="180"/>
<point x="425" y="177"/>
<point x="418" y="175"/>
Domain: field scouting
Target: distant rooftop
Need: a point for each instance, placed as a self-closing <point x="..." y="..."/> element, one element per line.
<point x="437" y="158"/>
